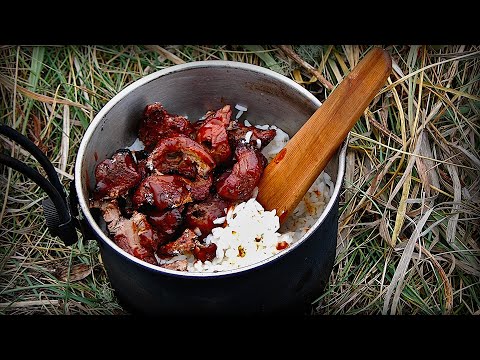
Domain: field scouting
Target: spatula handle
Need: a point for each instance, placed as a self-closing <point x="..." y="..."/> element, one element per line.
<point x="290" y="174"/>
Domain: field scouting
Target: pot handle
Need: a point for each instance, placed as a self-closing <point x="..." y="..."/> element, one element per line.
<point x="57" y="208"/>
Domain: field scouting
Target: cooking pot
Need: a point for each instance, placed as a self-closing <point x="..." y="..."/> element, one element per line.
<point x="287" y="282"/>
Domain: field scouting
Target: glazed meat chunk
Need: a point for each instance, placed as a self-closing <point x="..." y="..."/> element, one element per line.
<point x="116" y="176"/>
<point x="136" y="237"/>
<point x="167" y="222"/>
<point x="182" y="155"/>
<point x="239" y="182"/>
<point x="212" y="134"/>
<point x="157" y="123"/>
<point x="162" y="192"/>
<point x="201" y="215"/>
<point x="237" y="133"/>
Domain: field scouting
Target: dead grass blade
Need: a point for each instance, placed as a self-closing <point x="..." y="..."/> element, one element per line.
<point x="65" y="142"/>
<point x="294" y="56"/>
<point x="425" y="165"/>
<point x="165" y="53"/>
<point x="39" y="97"/>
<point x="447" y="285"/>
<point x="382" y="128"/>
<point x="29" y="303"/>
<point x="413" y="73"/>
<point x="397" y="280"/>
<point x="457" y="198"/>
<point x="404" y="183"/>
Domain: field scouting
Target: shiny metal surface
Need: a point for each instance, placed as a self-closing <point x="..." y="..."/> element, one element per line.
<point x="287" y="280"/>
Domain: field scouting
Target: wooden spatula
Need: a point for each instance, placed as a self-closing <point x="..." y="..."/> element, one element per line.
<point x="290" y="174"/>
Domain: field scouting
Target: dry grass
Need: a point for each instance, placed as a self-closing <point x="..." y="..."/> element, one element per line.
<point x="409" y="217"/>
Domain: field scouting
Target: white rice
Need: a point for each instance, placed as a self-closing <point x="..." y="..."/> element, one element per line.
<point x="250" y="234"/>
<point x="137" y="145"/>
<point x="241" y="109"/>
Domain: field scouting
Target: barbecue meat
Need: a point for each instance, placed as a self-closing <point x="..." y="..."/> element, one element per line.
<point x="182" y="155"/>
<point x="238" y="184"/>
<point x="183" y="245"/>
<point x="205" y="252"/>
<point x="167" y="222"/>
<point x="157" y="123"/>
<point x="162" y="192"/>
<point x="179" y="265"/>
<point x="200" y="188"/>
<point x="223" y="115"/>
<point x="188" y="243"/>
<point x="237" y="132"/>
<point x="212" y="134"/>
<point x="116" y="176"/>
<point x="134" y="235"/>
<point x="162" y="201"/>
<point x="201" y="215"/>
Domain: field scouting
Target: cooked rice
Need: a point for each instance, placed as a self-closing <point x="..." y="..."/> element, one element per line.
<point x="241" y="109"/>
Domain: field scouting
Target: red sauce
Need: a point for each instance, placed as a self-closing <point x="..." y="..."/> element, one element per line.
<point x="205" y="252"/>
<point x="283" y="215"/>
<point x="280" y="156"/>
<point x="95" y="155"/>
<point x="168" y="192"/>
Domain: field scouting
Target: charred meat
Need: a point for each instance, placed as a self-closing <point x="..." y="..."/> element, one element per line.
<point x="212" y="134"/>
<point x="157" y="123"/>
<point x="162" y="192"/>
<point x="116" y="176"/>
<point x="238" y="184"/>
<point x="182" y="155"/>
<point x="203" y="214"/>
<point x="258" y="138"/>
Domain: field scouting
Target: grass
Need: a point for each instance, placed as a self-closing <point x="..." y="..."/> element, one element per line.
<point x="409" y="225"/>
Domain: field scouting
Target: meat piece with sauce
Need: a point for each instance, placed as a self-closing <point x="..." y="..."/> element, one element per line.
<point x="237" y="133"/>
<point x="116" y="176"/>
<point x="202" y="215"/>
<point x="162" y="192"/>
<point x="188" y="243"/>
<point x="134" y="235"/>
<point x="164" y="201"/>
<point x="200" y="188"/>
<point x="239" y="182"/>
<point x="157" y="123"/>
<point x="182" y="155"/>
<point x="212" y="134"/>
<point x="223" y="114"/>
<point x="167" y="222"/>
<point x="137" y="237"/>
<point x="183" y="245"/>
<point x="204" y="252"/>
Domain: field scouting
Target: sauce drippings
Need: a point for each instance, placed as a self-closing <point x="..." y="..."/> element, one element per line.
<point x="280" y="156"/>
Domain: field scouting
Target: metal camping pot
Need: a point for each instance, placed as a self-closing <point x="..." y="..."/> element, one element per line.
<point x="287" y="282"/>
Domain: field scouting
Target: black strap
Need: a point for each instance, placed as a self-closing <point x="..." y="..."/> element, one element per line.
<point x="37" y="154"/>
<point x="56" y="208"/>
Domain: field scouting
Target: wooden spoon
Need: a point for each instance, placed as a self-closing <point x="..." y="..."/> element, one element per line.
<point x="290" y="174"/>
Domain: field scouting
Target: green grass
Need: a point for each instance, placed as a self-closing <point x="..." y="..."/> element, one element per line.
<point x="409" y="224"/>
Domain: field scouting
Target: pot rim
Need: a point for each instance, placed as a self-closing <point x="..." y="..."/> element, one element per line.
<point x="170" y="70"/>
